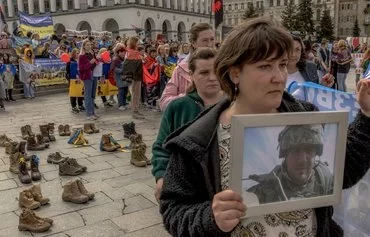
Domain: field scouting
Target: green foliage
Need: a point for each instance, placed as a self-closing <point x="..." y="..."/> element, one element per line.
<point x="250" y="12"/>
<point x="289" y="17"/>
<point x="356" y="29"/>
<point x="326" y="28"/>
<point x="304" y="16"/>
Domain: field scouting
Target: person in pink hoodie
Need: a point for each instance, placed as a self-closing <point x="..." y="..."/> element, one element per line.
<point x="201" y="35"/>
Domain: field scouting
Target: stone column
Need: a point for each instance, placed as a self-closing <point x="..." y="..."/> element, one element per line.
<point x="65" y="5"/>
<point x="103" y="3"/>
<point x="160" y="3"/>
<point x="42" y="6"/>
<point x="195" y="4"/>
<point x="182" y="7"/>
<point x="189" y="5"/>
<point x="151" y="2"/>
<point x="206" y="6"/>
<point x="31" y="7"/>
<point x="168" y="3"/>
<point x="117" y="2"/>
<point x="77" y="5"/>
<point x="20" y="5"/>
<point x="201" y="3"/>
<point x="175" y="4"/>
<point x="142" y="2"/>
<point x="53" y="5"/>
<point x="90" y="3"/>
<point x="10" y="8"/>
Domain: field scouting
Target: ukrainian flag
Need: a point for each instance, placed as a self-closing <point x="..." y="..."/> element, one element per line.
<point x="43" y="25"/>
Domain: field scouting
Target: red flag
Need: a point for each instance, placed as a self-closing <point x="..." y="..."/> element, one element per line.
<point x="218" y="9"/>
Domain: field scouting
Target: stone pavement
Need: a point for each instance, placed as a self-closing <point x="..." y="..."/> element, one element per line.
<point x="124" y="204"/>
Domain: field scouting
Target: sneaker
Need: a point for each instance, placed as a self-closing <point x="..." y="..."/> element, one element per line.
<point x="92" y="117"/>
<point x="82" y="109"/>
<point x="75" y="110"/>
<point x="123" y="108"/>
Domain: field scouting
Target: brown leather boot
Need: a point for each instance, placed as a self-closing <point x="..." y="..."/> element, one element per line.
<point x="138" y="157"/>
<point x="88" y="129"/>
<point x="55" y="158"/>
<point x="22" y="150"/>
<point x="26" y="200"/>
<point x="29" y="222"/>
<point x="24" y="133"/>
<point x="45" y="132"/>
<point x="71" y="193"/>
<point x="61" y="130"/>
<point x="4" y="139"/>
<point x="48" y="220"/>
<point x="23" y="175"/>
<point x="83" y="190"/>
<point x="115" y="143"/>
<point x="68" y="168"/>
<point x="106" y="144"/>
<point x="32" y="144"/>
<point x="51" y="128"/>
<point x="10" y="147"/>
<point x="37" y="195"/>
<point x="41" y="141"/>
<point x="73" y="162"/>
<point x="67" y="130"/>
<point x="95" y="130"/>
<point x="14" y="163"/>
<point x="29" y="130"/>
<point x="35" y="173"/>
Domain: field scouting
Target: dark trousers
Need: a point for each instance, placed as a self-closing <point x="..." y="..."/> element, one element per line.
<point x="75" y="100"/>
<point x="9" y="94"/>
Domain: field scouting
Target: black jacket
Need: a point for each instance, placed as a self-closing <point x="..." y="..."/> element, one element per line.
<point x="193" y="174"/>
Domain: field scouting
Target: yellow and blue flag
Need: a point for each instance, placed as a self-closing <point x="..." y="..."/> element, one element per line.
<point x="43" y="25"/>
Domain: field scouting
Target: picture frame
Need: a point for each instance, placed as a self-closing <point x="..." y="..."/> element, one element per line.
<point x="283" y="178"/>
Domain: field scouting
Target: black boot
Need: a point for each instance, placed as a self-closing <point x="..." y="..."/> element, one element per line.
<point x="10" y="94"/>
<point x="126" y="129"/>
<point x="2" y="106"/>
<point x="132" y="128"/>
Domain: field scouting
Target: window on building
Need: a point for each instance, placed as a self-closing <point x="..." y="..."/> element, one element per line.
<point x="229" y="21"/>
<point x="348" y="6"/>
<point x="285" y="2"/>
<point x="96" y="3"/>
<point x="258" y="4"/>
<point x="348" y="19"/>
<point x="59" y="5"/>
<point x="229" y="7"/>
<point x="241" y="5"/>
<point x="70" y="4"/>
<point x="261" y="4"/>
<point x="47" y="6"/>
<point x="236" y="6"/>
<point x="271" y="3"/>
<point x="278" y="3"/>
<point x="318" y="15"/>
<point x="36" y="6"/>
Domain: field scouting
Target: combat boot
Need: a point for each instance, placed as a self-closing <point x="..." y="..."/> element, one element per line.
<point x="32" y="144"/>
<point x="116" y="144"/>
<point x="106" y="145"/>
<point x="11" y="147"/>
<point x="71" y="193"/>
<point x="51" y="128"/>
<point x="24" y="133"/>
<point x="37" y="195"/>
<point x="26" y="200"/>
<point x="45" y="133"/>
<point x="74" y="162"/>
<point x="55" y="158"/>
<point x="4" y="139"/>
<point x="88" y="129"/>
<point x="67" y="130"/>
<point x="129" y="129"/>
<point x="14" y="163"/>
<point x="29" y="222"/>
<point x="29" y="130"/>
<point x="45" y="219"/>
<point x="93" y="128"/>
<point x="83" y="190"/>
<point x="23" y="175"/>
<point x="35" y="173"/>
<point x="22" y="150"/>
<point x="41" y="141"/>
<point x="61" y="130"/>
<point x="68" y="168"/>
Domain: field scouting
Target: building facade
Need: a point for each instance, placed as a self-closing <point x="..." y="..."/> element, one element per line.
<point x="171" y="18"/>
<point x="348" y="12"/>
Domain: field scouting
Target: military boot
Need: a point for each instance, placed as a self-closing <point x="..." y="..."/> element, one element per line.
<point x="24" y="133"/>
<point x="126" y="130"/>
<point x="27" y="200"/>
<point x="4" y="139"/>
<point x="74" y="162"/>
<point x="45" y="133"/>
<point x="10" y="147"/>
<point x="83" y="190"/>
<point x="14" y="163"/>
<point x="45" y="219"/>
<point x="29" y="222"/>
<point x="67" y="130"/>
<point x="106" y="145"/>
<point x="61" y="130"/>
<point x="23" y="175"/>
<point x="51" y="128"/>
<point x="29" y="130"/>
<point x="93" y="127"/>
<point x="116" y="144"/>
<point x="37" y="195"/>
<point x="32" y="144"/>
<point x="22" y="150"/>
<point x="69" y="168"/>
<point x="35" y="173"/>
<point x="88" y="129"/>
<point x="41" y="141"/>
<point x="55" y="158"/>
<point x="71" y="193"/>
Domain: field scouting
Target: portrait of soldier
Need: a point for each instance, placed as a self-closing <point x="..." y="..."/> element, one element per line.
<point x="301" y="173"/>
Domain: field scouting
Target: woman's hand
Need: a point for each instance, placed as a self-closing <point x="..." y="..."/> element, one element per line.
<point x="228" y="208"/>
<point x="363" y="96"/>
<point x="92" y="61"/>
<point x="158" y="189"/>
<point x="327" y="80"/>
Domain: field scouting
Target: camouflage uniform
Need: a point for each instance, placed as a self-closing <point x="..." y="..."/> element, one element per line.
<point x="277" y="185"/>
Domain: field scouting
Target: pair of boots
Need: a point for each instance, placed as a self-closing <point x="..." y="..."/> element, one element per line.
<point x="26" y="131"/>
<point x="89" y="128"/>
<point x="129" y="129"/>
<point x="23" y="175"/>
<point x="32" y="198"/>
<point x="15" y="154"/>
<point x="75" y="191"/>
<point x="36" y="143"/>
<point x="29" y="221"/>
<point x="138" y="149"/>
<point x="70" y="166"/>
<point x="55" y="158"/>
<point x="47" y="132"/>
<point x="9" y="95"/>
<point x="78" y="138"/>
<point x="64" y="130"/>
<point x="108" y="143"/>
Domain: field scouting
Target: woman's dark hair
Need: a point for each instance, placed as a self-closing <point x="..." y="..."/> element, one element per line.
<point x="173" y="49"/>
<point x="302" y="60"/>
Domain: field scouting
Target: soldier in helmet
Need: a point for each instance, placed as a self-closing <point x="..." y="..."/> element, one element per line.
<point x="301" y="173"/>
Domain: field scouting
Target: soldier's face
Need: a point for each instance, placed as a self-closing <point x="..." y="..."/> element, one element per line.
<point x="300" y="163"/>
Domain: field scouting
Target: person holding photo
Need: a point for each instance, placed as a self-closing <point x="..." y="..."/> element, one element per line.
<point x="251" y="66"/>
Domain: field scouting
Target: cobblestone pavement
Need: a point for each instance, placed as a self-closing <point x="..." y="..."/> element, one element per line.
<point x="124" y="203"/>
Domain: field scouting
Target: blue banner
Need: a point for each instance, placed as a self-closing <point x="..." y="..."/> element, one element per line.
<point x="35" y="21"/>
<point x="326" y="99"/>
<point x="53" y="71"/>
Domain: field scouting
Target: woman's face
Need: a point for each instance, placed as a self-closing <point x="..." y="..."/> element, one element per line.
<point x="295" y="56"/>
<point x="185" y="48"/>
<point x="6" y="56"/>
<point x="87" y="47"/>
<point x="153" y="54"/>
<point x="261" y="85"/>
<point x="205" y="38"/>
<point x="204" y="78"/>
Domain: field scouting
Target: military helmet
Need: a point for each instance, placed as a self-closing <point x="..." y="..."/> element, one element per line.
<point x="293" y="136"/>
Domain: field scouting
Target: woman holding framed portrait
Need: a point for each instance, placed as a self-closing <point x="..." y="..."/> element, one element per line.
<point x="252" y="69"/>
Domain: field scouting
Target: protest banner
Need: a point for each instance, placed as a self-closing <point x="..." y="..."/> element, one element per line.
<point x="53" y="72"/>
<point x="357" y="58"/>
<point x="326" y="99"/>
<point x="43" y="25"/>
<point x="104" y="88"/>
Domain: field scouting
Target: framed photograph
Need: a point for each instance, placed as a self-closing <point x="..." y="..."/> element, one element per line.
<point x="288" y="161"/>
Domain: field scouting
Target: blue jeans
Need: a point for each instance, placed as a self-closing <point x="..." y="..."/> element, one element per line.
<point x="89" y="97"/>
<point x="28" y="90"/>
<point x="122" y="95"/>
<point x="341" y="78"/>
<point x="94" y="86"/>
